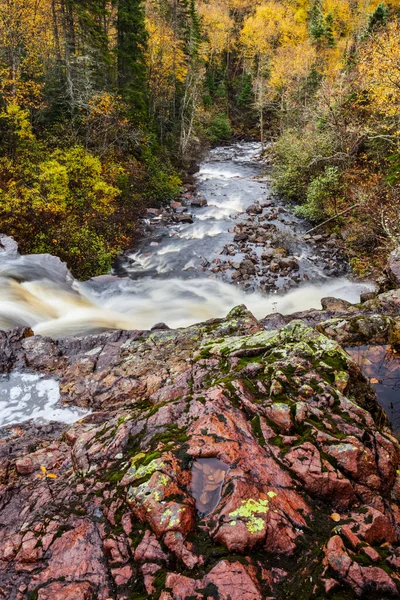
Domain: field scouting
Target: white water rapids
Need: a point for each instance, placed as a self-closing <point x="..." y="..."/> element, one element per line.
<point x="165" y="282"/>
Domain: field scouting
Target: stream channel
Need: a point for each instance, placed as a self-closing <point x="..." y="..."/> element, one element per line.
<point x="243" y="247"/>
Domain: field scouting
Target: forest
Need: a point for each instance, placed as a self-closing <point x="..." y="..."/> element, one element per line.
<point x="105" y="105"/>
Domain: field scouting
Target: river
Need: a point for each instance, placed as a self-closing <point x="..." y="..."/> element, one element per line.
<point x="172" y="276"/>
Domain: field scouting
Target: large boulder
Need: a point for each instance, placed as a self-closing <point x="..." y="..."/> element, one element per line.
<point x="219" y="461"/>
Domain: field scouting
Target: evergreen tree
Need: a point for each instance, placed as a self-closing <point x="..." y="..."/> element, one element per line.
<point x="131" y="46"/>
<point x="379" y="17"/>
<point x="328" y="30"/>
<point x="316" y="20"/>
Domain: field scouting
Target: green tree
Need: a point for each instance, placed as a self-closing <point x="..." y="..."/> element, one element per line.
<point x="131" y="46"/>
<point x="379" y="17"/>
<point x="328" y="30"/>
<point x="316" y="20"/>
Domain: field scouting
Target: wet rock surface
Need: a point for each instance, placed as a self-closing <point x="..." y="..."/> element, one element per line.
<point x="222" y="460"/>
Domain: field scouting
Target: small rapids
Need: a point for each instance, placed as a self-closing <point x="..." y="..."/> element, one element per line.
<point x="58" y="311"/>
<point x="164" y="278"/>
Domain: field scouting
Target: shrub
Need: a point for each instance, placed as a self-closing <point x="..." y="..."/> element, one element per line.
<point x="219" y="129"/>
<point x="299" y="157"/>
<point x="320" y="191"/>
<point x="162" y="181"/>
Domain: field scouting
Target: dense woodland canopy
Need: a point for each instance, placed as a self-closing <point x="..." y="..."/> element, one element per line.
<point x="103" y="105"/>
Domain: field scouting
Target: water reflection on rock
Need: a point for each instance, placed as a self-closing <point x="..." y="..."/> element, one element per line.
<point x="208" y="476"/>
<point x="382" y="367"/>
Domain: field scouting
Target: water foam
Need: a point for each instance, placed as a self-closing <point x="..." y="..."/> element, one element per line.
<point x="126" y="304"/>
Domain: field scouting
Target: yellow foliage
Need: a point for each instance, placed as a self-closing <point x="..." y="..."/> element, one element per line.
<point x="45" y="474"/>
<point x="379" y="70"/>
<point x="290" y="65"/>
<point x="165" y="58"/>
<point x="218" y="26"/>
<point x="272" y="25"/>
<point x="26" y="40"/>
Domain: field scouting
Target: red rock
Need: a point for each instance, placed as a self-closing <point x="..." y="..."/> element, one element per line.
<point x="30" y="551"/>
<point x="175" y="542"/>
<point x="371" y="553"/>
<point x="149" y="570"/>
<point x="329" y="585"/>
<point x="374" y="527"/>
<point x="76" y="555"/>
<point x="355" y="460"/>
<point x="362" y="580"/>
<point x="69" y="591"/>
<point x="122" y="575"/>
<point x="126" y="523"/>
<point x="232" y="581"/>
<point x="351" y="537"/>
<point x="25" y="465"/>
<point x="149" y="549"/>
<point x="305" y="461"/>
<point x="337" y="557"/>
<point x="111" y="549"/>
<point x="279" y="413"/>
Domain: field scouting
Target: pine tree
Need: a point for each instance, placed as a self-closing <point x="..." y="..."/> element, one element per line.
<point x="316" y="20"/>
<point x="379" y="17"/>
<point x="328" y="30"/>
<point x="131" y="46"/>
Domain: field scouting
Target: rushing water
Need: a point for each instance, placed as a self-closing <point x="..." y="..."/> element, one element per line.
<point x="165" y="279"/>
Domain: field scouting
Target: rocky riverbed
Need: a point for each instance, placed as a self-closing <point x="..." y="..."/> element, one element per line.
<point x="228" y="224"/>
<point x="235" y="459"/>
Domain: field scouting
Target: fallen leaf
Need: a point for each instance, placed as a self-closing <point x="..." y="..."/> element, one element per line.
<point x="335" y="517"/>
<point x="374" y="380"/>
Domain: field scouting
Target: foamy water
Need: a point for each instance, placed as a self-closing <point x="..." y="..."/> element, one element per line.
<point x="25" y="396"/>
<point x="125" y="304"/>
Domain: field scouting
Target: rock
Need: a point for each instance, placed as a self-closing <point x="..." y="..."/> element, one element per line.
<point x="153" y="212"/>
<point x="288" y="263"/>
<point x="199" y="200"/>
<point x="25" y="466"/>
<point x="284" y="426"/>
<point x="362" y="580"/>
<point x="69" y="591"/>
<point x="175" y="204"/>
<point x="365" y="296"/>
<point x="334" y="304"/>
<point x="184" y="218"/>
<point x="393" y="268"/>
<point x="254" y="209"/>
<point x="240" y="237"/>
<point x="247" y="266"/>
<point x="160" y="326"/>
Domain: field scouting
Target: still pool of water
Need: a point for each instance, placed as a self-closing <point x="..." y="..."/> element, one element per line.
<point x="208" y="476"/>
<point x="382" y="367"/>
